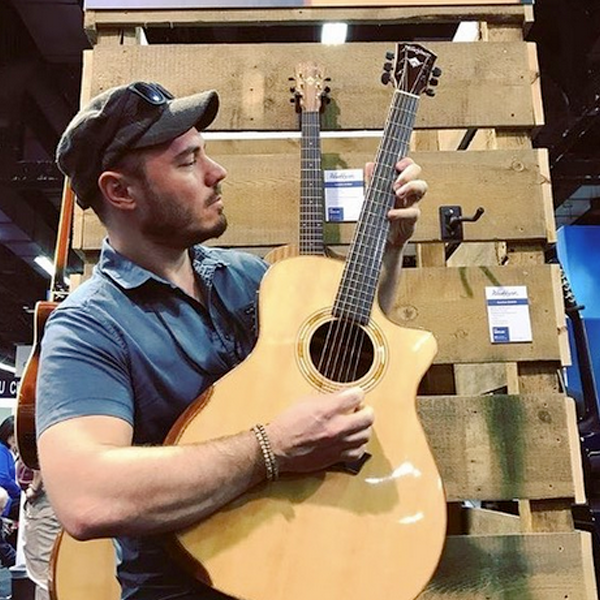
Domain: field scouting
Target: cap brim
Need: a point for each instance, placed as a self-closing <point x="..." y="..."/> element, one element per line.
<point x="179" y="116"/>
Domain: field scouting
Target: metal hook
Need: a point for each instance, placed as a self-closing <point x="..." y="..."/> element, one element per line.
<point x="451" y="221"/>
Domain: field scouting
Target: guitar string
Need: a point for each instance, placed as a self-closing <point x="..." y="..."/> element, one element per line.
<point x="347" y="332"/>
<point x="311" y="205"/>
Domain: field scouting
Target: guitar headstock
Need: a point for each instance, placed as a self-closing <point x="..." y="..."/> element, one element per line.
<point x="310" y="90"/>
<point x="411" y="69"/>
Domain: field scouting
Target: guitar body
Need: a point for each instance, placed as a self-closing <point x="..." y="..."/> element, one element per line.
<point x="377" y="534"/>
<point x="281" y="252"/>
<point x="83" y="570"/>
<point x="292" y="250"/>
<point x="25" y="419"/>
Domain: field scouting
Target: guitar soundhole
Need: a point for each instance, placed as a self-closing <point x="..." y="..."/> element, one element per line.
<point x="341" y="351"/>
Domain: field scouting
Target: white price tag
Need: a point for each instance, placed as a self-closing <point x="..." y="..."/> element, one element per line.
<point x="344" y="194"/>
<point x="508" y="314"/>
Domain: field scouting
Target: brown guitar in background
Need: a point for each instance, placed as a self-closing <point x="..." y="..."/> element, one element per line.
<point x="370" y="530"/>
<point x="26" y="397"/>
<point x="309" y="99"/>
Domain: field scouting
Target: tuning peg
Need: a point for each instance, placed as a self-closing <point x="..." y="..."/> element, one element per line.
<point x="436" y="72"/>
<point x="387" y="66"/>
<point x="327" y="78"/>
<point x="433" y="81"/>
<point x="292" y="100"/>
<point x="293" y="90"/>
<point x="430" y="92"/>
<point x="327" y="89"/>
<point x="290" y="78"/>
<point x="389" y="55"/>
<point x="385" y="78"/>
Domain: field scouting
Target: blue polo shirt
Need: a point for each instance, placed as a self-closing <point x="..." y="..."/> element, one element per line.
<point x="131" y="345"/>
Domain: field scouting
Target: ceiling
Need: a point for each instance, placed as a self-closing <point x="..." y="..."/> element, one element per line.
<point x="41" y="43"/>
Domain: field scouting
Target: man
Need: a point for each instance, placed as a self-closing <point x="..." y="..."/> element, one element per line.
<point x="161" y="319"/>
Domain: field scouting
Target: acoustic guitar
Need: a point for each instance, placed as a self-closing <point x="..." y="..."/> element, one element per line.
<point x="25" y="432"/>
<point x="374" y="530"/>
<point x="309" y="98"/>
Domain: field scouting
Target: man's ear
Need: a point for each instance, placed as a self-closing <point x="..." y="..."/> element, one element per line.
<point x="116" y="189"/>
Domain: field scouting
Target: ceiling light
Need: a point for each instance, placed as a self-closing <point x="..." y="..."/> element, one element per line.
<point x="334" y="33"/>
<point x="45" y="263"/>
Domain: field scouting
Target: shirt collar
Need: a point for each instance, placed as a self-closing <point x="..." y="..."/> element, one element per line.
<point x="130" y="275"/>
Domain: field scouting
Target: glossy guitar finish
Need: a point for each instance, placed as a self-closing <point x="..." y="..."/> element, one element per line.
<point x="375" y="535"/>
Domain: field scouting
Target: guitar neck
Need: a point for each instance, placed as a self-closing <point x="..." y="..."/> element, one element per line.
<point x="361" y="274"/>
<point x="311" y="186"/>
<point x="58" y="288"/>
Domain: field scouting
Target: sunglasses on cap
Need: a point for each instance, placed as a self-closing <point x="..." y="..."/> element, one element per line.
<point x="153" y="93"/>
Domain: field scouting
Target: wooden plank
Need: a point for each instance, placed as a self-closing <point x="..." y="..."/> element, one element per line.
<point x="414" y="15"/>
<point x="263" y="186"/>
<point x="484" y="84"/>
<point x="456" y="312"/>
<point x="515" y="567"/>
<point x="482" y="521"/>
<point x="501" y="447"/>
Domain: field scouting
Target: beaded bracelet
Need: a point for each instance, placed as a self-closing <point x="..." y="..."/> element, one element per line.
<point x="267" y="452"/>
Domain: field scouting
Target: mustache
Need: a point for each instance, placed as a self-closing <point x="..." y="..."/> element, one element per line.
<point x="217" y="191"/>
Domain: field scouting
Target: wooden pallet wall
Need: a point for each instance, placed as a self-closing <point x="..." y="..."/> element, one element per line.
<point x="519" y="445"/>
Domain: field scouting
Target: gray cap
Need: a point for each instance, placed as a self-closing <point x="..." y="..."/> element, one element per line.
<point x="123" y="118"/>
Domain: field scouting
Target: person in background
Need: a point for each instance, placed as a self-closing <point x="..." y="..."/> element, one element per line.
<point x="8" y="477"/>
<point x="7" y="550"/>
<point x="40" y="528"/>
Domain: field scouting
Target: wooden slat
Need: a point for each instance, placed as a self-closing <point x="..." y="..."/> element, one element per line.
<point x="501" y="447"/>
<point x="515" y="567"/>
<point x="508" y="12"/>
<point x="484" y="84"/>
<point x="263" y="186"/>
<point x="451" y="303"/>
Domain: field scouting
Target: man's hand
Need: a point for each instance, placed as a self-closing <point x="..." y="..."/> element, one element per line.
<point x="320" y="431"/>
<point x="409" y="190"/>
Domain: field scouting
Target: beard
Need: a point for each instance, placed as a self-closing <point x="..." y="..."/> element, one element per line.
<point x="170" y="224"/>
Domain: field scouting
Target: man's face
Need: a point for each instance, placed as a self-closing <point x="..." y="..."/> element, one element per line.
<point x="180" y="202"/>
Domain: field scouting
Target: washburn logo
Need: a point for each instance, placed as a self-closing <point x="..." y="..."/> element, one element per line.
<point x="504" y="292"/>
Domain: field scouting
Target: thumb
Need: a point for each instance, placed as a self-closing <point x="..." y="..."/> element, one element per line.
<point x="369" y="171"/>
<point x="350" y="398"/>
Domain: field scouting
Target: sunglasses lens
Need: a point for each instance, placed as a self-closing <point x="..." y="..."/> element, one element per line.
<point x="151" y="92"/>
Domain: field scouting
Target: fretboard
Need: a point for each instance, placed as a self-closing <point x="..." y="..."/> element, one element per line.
<point x="311" y="187"/>
<point x="358" y="287"/>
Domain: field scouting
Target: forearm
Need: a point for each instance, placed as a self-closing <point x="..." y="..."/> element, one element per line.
<point x="147" y="490"/>
<point x="390" y="276"/>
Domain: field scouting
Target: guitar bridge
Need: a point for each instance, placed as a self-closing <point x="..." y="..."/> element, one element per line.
<point x="353" y="467"/>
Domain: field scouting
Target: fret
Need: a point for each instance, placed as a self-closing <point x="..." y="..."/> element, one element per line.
<point x="311" y="186"/>
<point x="360" y="278"/>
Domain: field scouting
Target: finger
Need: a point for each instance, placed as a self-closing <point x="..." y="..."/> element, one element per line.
<point x="411" y="193"/>
<point x="349" y="399"/>
<point x="409" y="171"/>
<point x="353" y="454"/>
<point x="355" y="440"/>
<point x="409" y="215"/>
<point x="369" y="171"/>
<point x="359" y="420"/>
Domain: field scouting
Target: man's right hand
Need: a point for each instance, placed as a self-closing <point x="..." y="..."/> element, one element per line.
<point x="320" y="431"/>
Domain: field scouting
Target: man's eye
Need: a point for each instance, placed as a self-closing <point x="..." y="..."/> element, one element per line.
<point x="190" y="163"/>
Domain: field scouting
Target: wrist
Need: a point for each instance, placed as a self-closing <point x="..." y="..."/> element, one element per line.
<point x="268" y="457"/>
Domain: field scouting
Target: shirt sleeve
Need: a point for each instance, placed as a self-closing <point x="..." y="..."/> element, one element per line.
<point x="84" y="369"/>
<point x="7" y="474"/>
